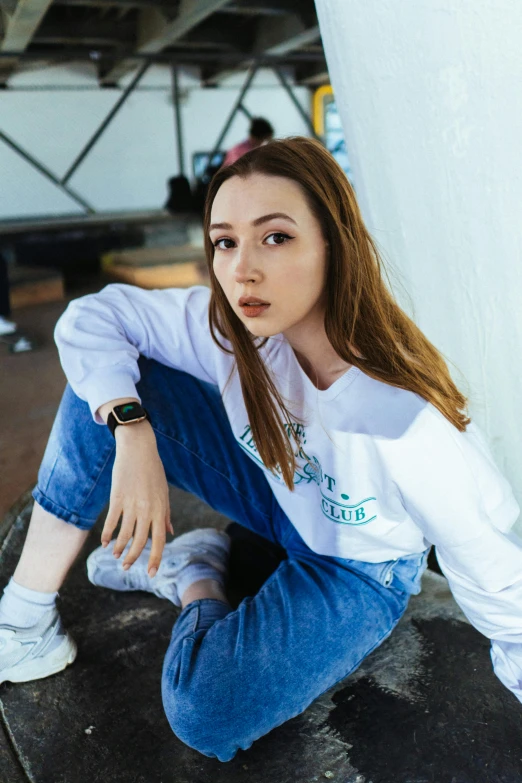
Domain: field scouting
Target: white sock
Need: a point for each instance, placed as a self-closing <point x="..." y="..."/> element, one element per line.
<point x="193" y="573"/>
<point x="22" y="607"/>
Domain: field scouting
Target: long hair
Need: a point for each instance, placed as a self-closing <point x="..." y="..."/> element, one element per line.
<point x="364" y="324"/>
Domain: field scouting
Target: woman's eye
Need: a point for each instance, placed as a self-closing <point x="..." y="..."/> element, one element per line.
<point x="225" y="243"/>
<point x="278" y="237"/>
<point x="227" y="247"/>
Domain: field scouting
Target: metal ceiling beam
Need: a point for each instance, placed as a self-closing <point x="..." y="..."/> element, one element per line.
<point x="238" y="106"/>
<point x="290" y="32"/>
<point x="117" y="3"/>
<point x="103" y="32"/>
<point x="155" y="32"/>
<point x="46" y="172"/>
<point x="92" y="33"/>
<point x="66" y="39"/>
<point x="286" y="36"/>
<point x="260" y="8"/>
<point x="176" y="98"/>
<point x="106" y="122"/>
<point x="257" y="8"/>
<point x="208" y="46"/>
<point x="305" y="116"/>
<point x="209" y="36"/>
<point x="181" y="58"/>
<point x="19" y="21"/>
<point x="312" y="75"/>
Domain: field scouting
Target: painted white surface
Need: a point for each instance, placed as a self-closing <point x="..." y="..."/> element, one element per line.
<point x="429" y="95"/>
<point x="31" y="193"/>
<point x="129" y="166"/>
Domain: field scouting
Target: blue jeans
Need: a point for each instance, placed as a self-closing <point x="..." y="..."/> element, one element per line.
<point x="230" y="676"/>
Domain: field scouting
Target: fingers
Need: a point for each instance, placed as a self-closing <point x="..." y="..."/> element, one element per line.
<point x="158" y="544"/>
<point x="140" y="540"/>
<point x="111" y="522"/>
<point x="168" y="523"/>
<point x="136" y="524"/>
<point x="126" y="532"/>
<point x="141" y="536"/>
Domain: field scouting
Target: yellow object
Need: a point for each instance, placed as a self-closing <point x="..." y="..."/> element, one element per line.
<point x="322" y="97"/>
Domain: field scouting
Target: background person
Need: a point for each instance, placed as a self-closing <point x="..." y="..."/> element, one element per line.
<point x="260" y="133"/>
<point x="7" y="326"/>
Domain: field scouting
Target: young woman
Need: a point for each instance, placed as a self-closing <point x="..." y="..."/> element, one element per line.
<point x="296" y="398"/>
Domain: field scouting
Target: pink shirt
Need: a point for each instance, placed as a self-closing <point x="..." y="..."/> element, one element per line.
<point x="236" y="152"/>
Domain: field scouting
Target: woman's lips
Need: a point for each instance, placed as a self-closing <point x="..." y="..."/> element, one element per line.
<point x="253" y="310"/>
<point x="252" y="306"/>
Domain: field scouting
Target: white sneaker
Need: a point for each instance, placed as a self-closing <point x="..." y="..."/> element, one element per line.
<point x="36" y="652"/>
<point x="7" y="327"/>
<point x="22" y="344"/>
<point x="205" y="545"/>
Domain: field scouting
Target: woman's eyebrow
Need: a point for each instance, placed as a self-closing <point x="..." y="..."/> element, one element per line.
<point x="226" y="226"/>
<point x="271" y="216"/>
<point x="257" y="222"/>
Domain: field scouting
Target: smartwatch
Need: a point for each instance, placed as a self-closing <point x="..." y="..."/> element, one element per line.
<point x="128" y="413"/>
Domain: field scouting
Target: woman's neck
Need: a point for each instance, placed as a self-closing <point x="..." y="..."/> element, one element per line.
<point x="315" y="353"/>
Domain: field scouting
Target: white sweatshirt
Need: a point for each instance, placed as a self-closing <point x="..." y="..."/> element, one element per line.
<point x="381" y="473"/>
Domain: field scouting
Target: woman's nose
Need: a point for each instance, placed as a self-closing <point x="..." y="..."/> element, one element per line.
<point x="246" y="270"/>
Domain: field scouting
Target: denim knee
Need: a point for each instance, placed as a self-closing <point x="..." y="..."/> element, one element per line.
<point x="193" y="704"/>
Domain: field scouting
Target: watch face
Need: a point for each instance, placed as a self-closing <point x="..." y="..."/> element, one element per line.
<point x="129" y="411"/>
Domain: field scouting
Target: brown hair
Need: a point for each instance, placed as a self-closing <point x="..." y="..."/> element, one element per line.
<point x="364" y="324"/>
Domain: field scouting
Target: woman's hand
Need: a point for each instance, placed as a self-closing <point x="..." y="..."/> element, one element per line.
<point x="139" y="492"/>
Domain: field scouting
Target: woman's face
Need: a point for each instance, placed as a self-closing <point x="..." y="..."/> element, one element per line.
<point x="269" y="249"/>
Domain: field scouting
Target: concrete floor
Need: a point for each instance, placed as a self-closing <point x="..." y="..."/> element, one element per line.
<point x="424" y="708"/>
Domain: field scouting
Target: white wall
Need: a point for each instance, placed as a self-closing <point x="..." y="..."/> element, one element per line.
<point x="429" y="95"/>
<point x="129" y="166"/>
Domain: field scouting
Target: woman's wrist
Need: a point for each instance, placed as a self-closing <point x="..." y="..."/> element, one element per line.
<point x="127" y="433"/>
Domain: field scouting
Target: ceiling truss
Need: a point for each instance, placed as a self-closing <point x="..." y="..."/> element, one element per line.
<point x="222" y="36"/>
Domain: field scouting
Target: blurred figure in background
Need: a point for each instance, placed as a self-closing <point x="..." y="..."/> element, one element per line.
<point x="260" y="132"/>
<point x="6" y="325"/>
<point x="9" y="332"/>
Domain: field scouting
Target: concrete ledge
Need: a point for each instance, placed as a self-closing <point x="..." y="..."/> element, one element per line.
<point x="35" y="285"/>
<point x="157" y="267"/>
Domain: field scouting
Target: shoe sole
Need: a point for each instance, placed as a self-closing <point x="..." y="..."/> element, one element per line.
<point x="39" y="668"/>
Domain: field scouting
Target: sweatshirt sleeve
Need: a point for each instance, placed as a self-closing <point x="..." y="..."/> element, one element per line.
<point x="101" y="336"/>
<point x="455" y="493"/>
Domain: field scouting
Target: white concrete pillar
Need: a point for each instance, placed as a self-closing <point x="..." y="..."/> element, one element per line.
<point x="430" y="99"/>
